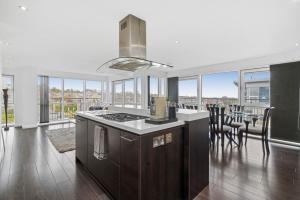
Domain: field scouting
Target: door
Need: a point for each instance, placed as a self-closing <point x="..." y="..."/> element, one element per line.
<point x="105" y="170"/>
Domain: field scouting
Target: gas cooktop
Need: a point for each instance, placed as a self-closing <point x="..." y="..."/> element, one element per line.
<point x="122" y="117"/>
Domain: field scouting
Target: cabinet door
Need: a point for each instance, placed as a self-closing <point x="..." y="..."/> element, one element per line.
<point x="129" y="166"/>
<point x="106" y="170"/>
<point x="81" y="140"/>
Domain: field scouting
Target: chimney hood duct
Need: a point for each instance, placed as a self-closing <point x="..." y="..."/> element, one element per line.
<point x="132" y="47"/>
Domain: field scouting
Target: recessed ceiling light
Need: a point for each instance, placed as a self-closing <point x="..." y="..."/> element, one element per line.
<point x="176" y="41"/>
<point x="297" y="44"/>
<point x="24" y="8"/>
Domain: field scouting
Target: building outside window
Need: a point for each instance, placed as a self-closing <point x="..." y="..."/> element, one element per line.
<point x="255" y="94"/>
<point x="188" y="92"/>
<point x="8" y="82"/>
<point x="220" y="88"/>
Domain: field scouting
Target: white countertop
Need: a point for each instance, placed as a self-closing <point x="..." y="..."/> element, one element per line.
<point x="139" y="126"/>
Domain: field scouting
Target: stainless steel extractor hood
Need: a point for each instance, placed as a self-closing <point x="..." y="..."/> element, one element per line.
<point x="132" y="47"/>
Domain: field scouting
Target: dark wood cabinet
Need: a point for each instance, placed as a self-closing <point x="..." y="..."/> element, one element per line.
<point x="81" y="139"/>
<point x="170" y="164"/>
<point x="106" y="171"/>
<point x="129" y="166"/>
<point x="162" y="166"/>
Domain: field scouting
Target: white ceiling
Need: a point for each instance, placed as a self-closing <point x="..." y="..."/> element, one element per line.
<point x="79" y="36"/>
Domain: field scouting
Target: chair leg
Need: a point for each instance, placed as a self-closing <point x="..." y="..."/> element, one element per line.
<point x="246" y="138"/>
<point x="267" y="144"/>
<point x="263" y="143"/>
<point x="240" y="137"/>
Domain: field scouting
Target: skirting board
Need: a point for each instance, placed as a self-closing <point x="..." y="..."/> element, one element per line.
<point x="29" y="126"/>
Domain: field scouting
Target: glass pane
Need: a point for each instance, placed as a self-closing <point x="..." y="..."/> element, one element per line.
<point x="73" y="97"/>
<point x="162" y="86"/>
<point x="139" y="93"/>
<point x="118" y="94"/>
<point x="129" y="93"/>
<point x="8" y="83"/>
<point x="258" y="75"/>
<point x="153" y="86"/>
<point x="188" y="92"/>
<point x="93" y="94"/>
<point x="220" y="88"/>
<point x="55" y="98"/>
<point x="256" y="88"/>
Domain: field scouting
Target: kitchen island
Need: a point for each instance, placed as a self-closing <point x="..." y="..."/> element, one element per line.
<point x="144" y="161"/>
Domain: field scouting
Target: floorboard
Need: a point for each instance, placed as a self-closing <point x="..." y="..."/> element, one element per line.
<point x="31" y="168"/>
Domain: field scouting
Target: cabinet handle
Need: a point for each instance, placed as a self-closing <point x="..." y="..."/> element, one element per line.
<point x="127" y="139"/>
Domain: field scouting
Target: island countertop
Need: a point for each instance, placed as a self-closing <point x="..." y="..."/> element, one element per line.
<point x="139" y="126"/>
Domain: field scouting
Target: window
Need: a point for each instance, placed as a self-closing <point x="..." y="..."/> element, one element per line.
<point x="256" y="88"/>
<point x="8" y="83"/>
<point x="118" y="93"/>
<point x="55" y="98"/>
<point x="188" y="91"/>
<point x="93" y="94"/>
<point x="139" y="93"/>
<point x="162" y="86"/>
<point x="153" y="86"/>
<point x="73" y="97"/>
<point x="129" y="100"/>
<point x="220" y="88"/>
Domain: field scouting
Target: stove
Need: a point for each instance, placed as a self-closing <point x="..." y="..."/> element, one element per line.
<point x="122" y="117"/>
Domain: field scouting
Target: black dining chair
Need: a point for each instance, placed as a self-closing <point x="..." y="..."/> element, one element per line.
<point x="219" y="124"/>
<point x="254" y="129"/>
<point x="237" y="118"/>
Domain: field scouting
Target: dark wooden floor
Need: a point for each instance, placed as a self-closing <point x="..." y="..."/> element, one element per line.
<point x="32" y="169"/>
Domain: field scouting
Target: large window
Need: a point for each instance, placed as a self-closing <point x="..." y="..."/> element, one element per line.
<point x="256" y="88"/>
<point x="188" y="92"/>
<point x="55" y="98"/>
<point x="220" y="88"/>
<point x="153" y="86"/>
<point x="93" y="94"/>
<point x="127" y="93"/>
<point x="129" y="100"/>
<point x="73" y="97"/>
<point x="139" y="93"/>
<point x="118" y="93"/>
<point x="8" y="83"/>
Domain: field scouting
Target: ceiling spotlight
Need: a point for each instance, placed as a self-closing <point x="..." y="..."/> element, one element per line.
<point x="176" y="41"/>
<point x="297" y="44"/>
<point x="24" y="8"/>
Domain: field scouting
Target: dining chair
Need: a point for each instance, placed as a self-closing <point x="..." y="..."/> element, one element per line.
<point x="253" y="129"/>
<point x="219" y="124"/>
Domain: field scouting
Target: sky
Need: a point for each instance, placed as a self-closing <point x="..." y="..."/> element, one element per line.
<point x="220" y="84"/>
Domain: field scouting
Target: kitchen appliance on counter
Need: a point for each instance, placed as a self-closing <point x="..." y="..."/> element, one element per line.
<point x="122" y="117"/>
<point x="159" y="111"/>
